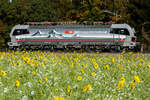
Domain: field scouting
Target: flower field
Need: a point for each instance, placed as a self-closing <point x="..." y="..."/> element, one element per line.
<point x="43" y="75"/>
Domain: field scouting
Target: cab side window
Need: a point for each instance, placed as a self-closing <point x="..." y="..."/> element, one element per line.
<point x="120" y="31"/>
<point x="20" y="32"/>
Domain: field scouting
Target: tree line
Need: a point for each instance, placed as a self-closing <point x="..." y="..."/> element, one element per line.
<point x="133" y="12"/>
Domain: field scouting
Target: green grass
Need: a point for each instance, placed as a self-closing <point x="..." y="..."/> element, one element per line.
<point x="62" y="70"/>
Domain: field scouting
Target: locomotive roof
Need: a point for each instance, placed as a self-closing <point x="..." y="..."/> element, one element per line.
<point x="70" y="26"/>
<point x="21" y="26"/>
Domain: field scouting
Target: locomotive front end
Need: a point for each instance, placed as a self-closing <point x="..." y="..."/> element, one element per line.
<point x="126" y="34"/>
<point x="17" y="32"/>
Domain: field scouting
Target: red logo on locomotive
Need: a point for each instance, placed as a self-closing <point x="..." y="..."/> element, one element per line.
<point x="68" y="31"/>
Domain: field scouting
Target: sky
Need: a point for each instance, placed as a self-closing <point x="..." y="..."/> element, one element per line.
<point x="10" y="0"/>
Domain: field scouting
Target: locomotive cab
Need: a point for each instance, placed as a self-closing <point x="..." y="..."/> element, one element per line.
<point x="125" y="33"/>
<point x="18" y="30"/>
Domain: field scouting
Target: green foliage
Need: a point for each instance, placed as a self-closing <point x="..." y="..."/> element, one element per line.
<point x="2" y="31"/>
<point x="40" y="11"/>
<point x="138" y="12"/>
<point x="91" y="10"/>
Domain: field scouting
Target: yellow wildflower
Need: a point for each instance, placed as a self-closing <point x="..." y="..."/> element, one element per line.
<point x="43" y="65"/>
<point x="40" y="58"/>
<point x="35" y="63"/>
<point x="58" y="98"/>
<point x="120" y="66"/>
<point x="122" y="79"/>
<point x="106" y="67"/>
<point x="41" y="92"/>
<point x="45" y="61"/>
<point x="140" y="64"/>
<point x="18" y="63"/>
<point x="84" y="88"/>
<point x="56" y="89"/>
<point x="17" y="83"/>
<point x="46" y="79"/>
<point x="149" y="65"/>
<point x="26" y="59"/>
<point x="31" y="63"/>
<point x="128" y="61"/>
<point x="3" y="73"/>
<point x="59" y="62"/>
<point x="142" y="60"/>
<point x="137" y="57"/>
<point x="132" y="86"/>
<point x="95" y="65"/>
<point x="79" y="78"/>
<point x="40" y="81"/>
<point x="89" y="87"/>
<point x="93" y="74"/>
<point x="68" y="88"/>
<point x="123" y="62"/>
<point x="83" y="65"/>
<point x="82" y="71"/>
<point x="33" y="73"/>
<point x="120" y="85"/>
<point x="113" y="60"/>
<point x="79" y="64"/>
<point x="136" y="79"/>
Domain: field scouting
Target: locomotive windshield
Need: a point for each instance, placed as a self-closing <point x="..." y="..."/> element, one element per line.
<point x="20" y="32"/>
<point x="121" y="31"/>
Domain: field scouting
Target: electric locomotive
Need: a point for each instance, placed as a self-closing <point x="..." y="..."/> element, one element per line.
<point x="32" y="35"/>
